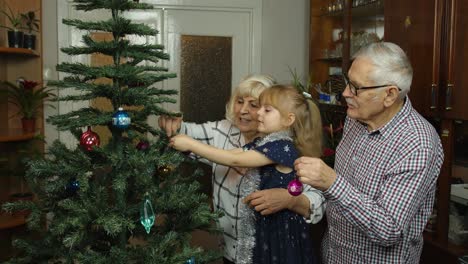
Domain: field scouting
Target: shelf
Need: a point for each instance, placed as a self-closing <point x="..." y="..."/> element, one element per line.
<point x="368" y="10"/>
<point x="333" y="14"/>
<point x="455" y="250"/>
<point x="332" y="60"/>
<point x="11" y="135"/>
<point x="18" y="51"/>
<point x="333" y="108"/>
<point x="8" y="221"/>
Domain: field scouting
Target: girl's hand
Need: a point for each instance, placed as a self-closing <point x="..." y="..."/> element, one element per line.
<point x="181" y="142"/>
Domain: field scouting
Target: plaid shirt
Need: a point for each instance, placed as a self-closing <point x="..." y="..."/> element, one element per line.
<point x="384" y="192"/>
<point x="227" y="181"/>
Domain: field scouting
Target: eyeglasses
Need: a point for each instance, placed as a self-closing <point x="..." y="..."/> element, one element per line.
<point x="354" y="88"/>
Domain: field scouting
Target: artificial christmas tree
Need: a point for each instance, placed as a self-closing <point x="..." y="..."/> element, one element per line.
<point x="119" y="202"/>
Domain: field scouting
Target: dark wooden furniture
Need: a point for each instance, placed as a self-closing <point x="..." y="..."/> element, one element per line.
<point x="14" y="63"/>
<point x="9" y="225"/>
<point x="19" y="62"/>
<point x="18" y="51"/>
<point x="434" y="35"/>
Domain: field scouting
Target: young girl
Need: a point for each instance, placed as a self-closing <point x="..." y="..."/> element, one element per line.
<point x="292" y="126"/>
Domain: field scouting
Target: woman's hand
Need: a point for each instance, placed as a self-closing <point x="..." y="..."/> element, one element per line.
<point x="273" y="200"/>
<point x="181" y="142"/>
<point x="170" y="124"/>
<point x="268" y="201"/>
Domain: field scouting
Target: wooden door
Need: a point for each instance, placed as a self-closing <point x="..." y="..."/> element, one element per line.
<point x="415" y="26"/>
<point x="456" y="89"/>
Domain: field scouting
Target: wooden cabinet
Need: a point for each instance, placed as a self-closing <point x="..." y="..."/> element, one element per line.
<point x="456" y="60"/>
<point x="434" y="34"/>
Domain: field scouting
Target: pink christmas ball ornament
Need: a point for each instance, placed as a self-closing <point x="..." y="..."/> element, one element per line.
<point x="295" y="187"/>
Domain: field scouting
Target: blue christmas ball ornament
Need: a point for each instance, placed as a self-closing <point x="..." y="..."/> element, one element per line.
<point x="190" y="261"/>
<point x="121" y="119"/>
<point x="72" y="187"/>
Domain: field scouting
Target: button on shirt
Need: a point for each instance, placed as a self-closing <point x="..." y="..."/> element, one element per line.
<point x="227" y="181"/>
<point x="384" y="192"/>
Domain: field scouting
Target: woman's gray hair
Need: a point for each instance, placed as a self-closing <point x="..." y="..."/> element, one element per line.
<point x="251" y="85"/>
<point x="391" y="65"/>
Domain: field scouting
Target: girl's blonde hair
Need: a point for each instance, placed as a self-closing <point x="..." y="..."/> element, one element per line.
<point x="252" y="85"/>
<point x="307" y="127"/>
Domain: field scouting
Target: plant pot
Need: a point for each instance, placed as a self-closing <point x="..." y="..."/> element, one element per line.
<point x="15" y="39"/>
<point x="15" y="197"/>
<point x="29" y="125"/>
<point x="29" y="41"/>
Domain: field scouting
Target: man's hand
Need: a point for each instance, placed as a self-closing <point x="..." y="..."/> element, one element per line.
<point x="170" y="124"/>
<point x="314" y="172"/>
<point x="269" y="201"/>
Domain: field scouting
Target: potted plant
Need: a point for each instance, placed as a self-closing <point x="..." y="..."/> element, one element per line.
<point x="29" y="99"/>
<point x="32" y="25"/>
<point x="15" y="35"/>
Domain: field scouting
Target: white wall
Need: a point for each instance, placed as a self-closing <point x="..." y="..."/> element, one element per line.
<point x="49" y="57"/>
<point x="285" y="38"/>
<point x="284" y="42"/>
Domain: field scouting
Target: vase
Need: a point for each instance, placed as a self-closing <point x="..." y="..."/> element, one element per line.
<point x="15" y="39"/>
<point x="29" y="41"/>
<point x="29" y="125"/>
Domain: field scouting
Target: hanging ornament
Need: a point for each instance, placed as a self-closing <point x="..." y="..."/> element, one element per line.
<point x="143" y="145"/>
<point x="121" y="119"/>
<point x="165" y="170"/>
<point x="89" y="139"/>
<point x="73" y="186"/>
<point x="295" y="187"/>
<point x="146" y="214"/>
<point x="190" y="261"/>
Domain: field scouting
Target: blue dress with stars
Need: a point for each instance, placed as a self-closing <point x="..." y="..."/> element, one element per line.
<point x="283" y="237"/>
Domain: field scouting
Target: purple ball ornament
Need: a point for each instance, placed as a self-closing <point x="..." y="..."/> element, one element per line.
<point x="295" y="187"/>
<point x="143" y="145"/>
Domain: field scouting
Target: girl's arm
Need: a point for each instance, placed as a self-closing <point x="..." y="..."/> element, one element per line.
<point x="232" y="158"/>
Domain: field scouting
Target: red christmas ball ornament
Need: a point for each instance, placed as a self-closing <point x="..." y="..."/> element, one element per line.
<point x="295" y="187"/>
<point x="89" y="139"/>
<point x="143" y="145"/>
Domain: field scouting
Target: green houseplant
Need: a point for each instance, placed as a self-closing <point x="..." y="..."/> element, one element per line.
<point x="15" y="35"/>
<point x="29" y="98"/>
<point x="31" y="24"/>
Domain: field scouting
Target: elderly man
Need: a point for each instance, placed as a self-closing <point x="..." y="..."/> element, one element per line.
<point x="381" y="192"/>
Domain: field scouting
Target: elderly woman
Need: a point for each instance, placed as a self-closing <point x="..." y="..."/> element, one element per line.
<point x="239" y="128"/>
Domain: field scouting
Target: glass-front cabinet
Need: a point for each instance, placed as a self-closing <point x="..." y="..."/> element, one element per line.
<point x="338" y="29"/>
